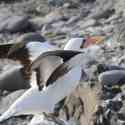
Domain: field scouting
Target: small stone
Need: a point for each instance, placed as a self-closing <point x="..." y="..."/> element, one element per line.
<point x="13" y="23"/>
<point x="87" y="23"/>
<point x="53" y="16"/>
<point x="12" y="79"/>
<point x="108" y="28"/>
<point x="37" y="22"/>
<point x="56" y="3"/>
<point x="73" y="19"/>
<point x="105" y="67"/>
<point x="6" y="101"/>
<point x="97" y="30"/>
<point x="114" y="105"/>
<point x="114" y="77"/>
<point x="58" y="24"/>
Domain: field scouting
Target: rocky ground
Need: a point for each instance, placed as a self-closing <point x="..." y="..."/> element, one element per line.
<point x="101" y="100"/>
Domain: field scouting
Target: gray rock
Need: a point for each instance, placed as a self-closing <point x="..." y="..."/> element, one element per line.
<point x="120" y="122"/>
<point x="16" y="121"/>
<point x="56" y="2"/>
<point x="42" y="120"/>
<point x="103" y="9"/>
<point x="13" y="23"/>
<point x="108" y="28"/>
<point x="37" y="22"/>
<point x="87" y="23"/>
<point x="114" y="120"/>
<point x="6" y="101"/>
<point x="73" y="19"/>
<point x="53" y="16"/>
<point x="115" y="77"/>
<point x="86" y="1"/>
<point x="105" y="67"/>
<point x="95" y="30"/>
<point x="58" y="24"/>
<point x="12" y="79"/>
<point x="114" y="105"/>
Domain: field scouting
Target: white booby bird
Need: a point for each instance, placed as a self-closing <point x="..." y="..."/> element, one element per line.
<point x="62" y="81"/>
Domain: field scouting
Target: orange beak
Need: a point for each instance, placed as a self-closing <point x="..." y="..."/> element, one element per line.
<point x="93" y="40"/>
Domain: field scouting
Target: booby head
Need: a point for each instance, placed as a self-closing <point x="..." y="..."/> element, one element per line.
<point x="80" y="42"/>
<point x="62" y="82"/>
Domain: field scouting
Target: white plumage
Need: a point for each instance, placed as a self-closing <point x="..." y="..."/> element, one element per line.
<point x="37" y="48"/>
